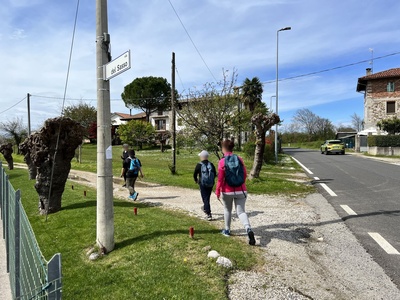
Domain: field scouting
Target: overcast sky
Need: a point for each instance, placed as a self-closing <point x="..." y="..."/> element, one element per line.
<point x="35" y="38"/>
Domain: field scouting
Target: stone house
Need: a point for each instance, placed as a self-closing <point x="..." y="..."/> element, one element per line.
<point x="381" y="97"/>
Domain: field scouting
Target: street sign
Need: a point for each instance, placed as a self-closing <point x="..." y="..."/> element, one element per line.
<point x="117" y="66"/>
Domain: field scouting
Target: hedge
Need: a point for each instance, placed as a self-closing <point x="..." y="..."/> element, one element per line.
<point x="384" y="141"/>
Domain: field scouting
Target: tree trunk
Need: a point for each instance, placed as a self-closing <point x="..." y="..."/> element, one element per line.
<point x="258" y="155"/>
<point x="40" y="151"/>
<point x="7" y="150"/>
<point x="25" y="151"/>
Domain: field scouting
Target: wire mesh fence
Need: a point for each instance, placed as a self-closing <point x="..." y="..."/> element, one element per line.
<point x="31" y="276"/>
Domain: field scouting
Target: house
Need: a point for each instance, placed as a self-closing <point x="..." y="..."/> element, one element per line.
<point x="381" y="97"/>
<point x="118" y="119"/>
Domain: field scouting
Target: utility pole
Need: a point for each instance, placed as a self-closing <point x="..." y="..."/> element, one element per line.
<point x="105" y="209"/>
<point x="173" y="121"/>
<point x="28" y="102"/>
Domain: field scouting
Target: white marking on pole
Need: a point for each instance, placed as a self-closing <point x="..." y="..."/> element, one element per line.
<point x="327" y="188"/>
<point x="303" y="166"/>
<point x="383" y="243"/>
<point x="316" y="178"/>
<point x="347" y="209"/>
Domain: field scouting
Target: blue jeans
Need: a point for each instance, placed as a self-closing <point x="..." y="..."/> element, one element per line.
<point x="206" y="195"/>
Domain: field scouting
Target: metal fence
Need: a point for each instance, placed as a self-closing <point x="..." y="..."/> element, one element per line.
<point x="31" y="276"/>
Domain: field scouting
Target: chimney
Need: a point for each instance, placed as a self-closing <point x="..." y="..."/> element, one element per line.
<point x="369" y="71"/>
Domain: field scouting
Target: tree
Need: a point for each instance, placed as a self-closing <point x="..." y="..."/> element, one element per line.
<point x="324" y="129"/>
<point x="148" y="94"/>
<point x="208" y="113"/>
<point x="357" y="122"/>
<point x="136" y="132"/>
<point x="343" y="128"/>
<point x="262" y="120"/>
<point x="7" y="150"/>
<point x="307" y="119"/>
<point x="391" y="125"/>
<point x="83" y="113"/>
<point x="15" y="130"/>
<point x="53" y="165"/>
<point x="252" y="93"/>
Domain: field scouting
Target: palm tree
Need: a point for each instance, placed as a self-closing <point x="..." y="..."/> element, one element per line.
<point x="252" y="93"/>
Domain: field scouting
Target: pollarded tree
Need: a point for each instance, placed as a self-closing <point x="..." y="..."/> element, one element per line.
<point x="148" y="94"/>
<point x="7" y="150"/>
<point x="252" y="93"/>
<point x="391" y="125"/>
<point x="15" y="130"/>
<point x="136" y="133"/>
<point x="262" y="120"/>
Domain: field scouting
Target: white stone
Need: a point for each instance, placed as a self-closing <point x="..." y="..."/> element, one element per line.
<point x="94" y="256"/>
<point x="213" y="254"/>
<point x="225" y="262"/>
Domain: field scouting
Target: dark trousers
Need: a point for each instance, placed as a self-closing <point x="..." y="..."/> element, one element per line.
<point x="206" y="195"/>
<point x="130" y="184"/>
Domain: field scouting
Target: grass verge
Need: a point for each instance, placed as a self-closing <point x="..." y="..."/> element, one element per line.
<point x="153" y="258"/>
<point x="156" y="169"/>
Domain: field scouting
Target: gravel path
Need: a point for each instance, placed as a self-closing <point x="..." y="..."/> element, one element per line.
<point x="309" y="251"/>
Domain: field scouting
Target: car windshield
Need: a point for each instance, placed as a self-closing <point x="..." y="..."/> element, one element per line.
<point x="334" y="142"/>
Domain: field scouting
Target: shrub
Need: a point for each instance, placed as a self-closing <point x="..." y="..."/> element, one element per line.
<point x="384" y="141"/>
<point x="269" y="152"/>
<point x="249" y="148"/>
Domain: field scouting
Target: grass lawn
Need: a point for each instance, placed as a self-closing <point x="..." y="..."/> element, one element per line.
<point x="156" y="169"/>
<point x="149" y="257"/>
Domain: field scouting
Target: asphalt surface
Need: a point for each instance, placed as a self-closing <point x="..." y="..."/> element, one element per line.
<point x="368" y="188"/>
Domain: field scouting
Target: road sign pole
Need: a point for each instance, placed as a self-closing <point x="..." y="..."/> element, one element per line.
<point x="105" y="209"/>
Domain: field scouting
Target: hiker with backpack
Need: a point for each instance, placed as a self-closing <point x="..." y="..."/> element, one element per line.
<point x="231" y="187"/>
<point x="204" y="175"/>
<point x="124" y="156"/>
<point x="133" y="168"/>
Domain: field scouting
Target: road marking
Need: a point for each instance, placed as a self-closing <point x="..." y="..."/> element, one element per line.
<point x="347" y="209"/>
<point x="303" y="166"/>
<point x="383" y="243"/>
<point x="316" y="178"/>
<point x="327" y="188"/>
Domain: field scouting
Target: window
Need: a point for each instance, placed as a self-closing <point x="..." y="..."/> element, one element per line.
<point x="160" y="112"/>
<point x="161" y="124"/>
<point x="390" y="107"/>
<point x="390" y="87"/>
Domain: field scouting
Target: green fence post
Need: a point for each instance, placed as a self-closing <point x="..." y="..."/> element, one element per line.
<point x="54" y="277"/>
<point x="7" y="218"/>
<point x="17" y="244"/>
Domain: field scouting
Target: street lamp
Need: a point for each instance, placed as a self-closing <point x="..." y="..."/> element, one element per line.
<point x="276" y="92"/>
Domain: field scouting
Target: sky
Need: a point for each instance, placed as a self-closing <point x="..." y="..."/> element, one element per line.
<point x="35" y="40"/>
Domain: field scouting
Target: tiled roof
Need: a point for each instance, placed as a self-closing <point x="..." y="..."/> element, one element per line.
<point x="395" y="72"/>
<point x="362" y="81"/>
<point x="130" y="117"/>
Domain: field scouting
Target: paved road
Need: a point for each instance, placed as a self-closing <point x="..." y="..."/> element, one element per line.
<point x="366" y="194"/>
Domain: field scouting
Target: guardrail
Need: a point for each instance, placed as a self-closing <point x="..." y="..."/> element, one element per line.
<point x="31" y="276"/>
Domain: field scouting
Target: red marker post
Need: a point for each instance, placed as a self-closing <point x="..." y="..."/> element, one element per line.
<point x="135" y="211"/>
<point x="191" y="232"/>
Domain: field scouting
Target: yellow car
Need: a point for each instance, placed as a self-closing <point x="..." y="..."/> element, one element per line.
<point x="332" y="146"/>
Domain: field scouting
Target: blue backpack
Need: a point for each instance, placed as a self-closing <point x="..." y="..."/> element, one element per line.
<point x="234" y="171"/>
<point x="134" y="167"/>
<point x="207" y="175"/>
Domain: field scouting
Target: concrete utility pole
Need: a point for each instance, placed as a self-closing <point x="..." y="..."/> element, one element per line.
<point x="105" y="209"/>
<point x="28" y="102"/>
<point x="173" y="121"/>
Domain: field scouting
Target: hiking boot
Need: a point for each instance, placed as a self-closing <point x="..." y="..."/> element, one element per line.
<point x="136" y="196"/>
<point x="131" y="196"/>
<point x="209" y="217"/>
<point x="252" y="240"/>
<point x="226" y="232"/>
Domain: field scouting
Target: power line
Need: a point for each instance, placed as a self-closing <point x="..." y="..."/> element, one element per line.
<point x="190" y="38"/>
<point x="1" y="112"/>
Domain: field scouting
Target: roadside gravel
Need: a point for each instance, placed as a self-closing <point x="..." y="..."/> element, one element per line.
<point x="309" y="251"/>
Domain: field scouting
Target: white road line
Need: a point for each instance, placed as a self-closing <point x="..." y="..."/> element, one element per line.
<point x="316" y="178"/>
<point x="303" y="166"/>
<point x="383" y="243"/>
<point x="347" y="209"/>
<point x="327" y="188"/>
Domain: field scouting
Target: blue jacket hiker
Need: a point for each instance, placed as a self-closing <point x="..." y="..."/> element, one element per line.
<point x="133" y="168"/>
<point x="204" y="175"/>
